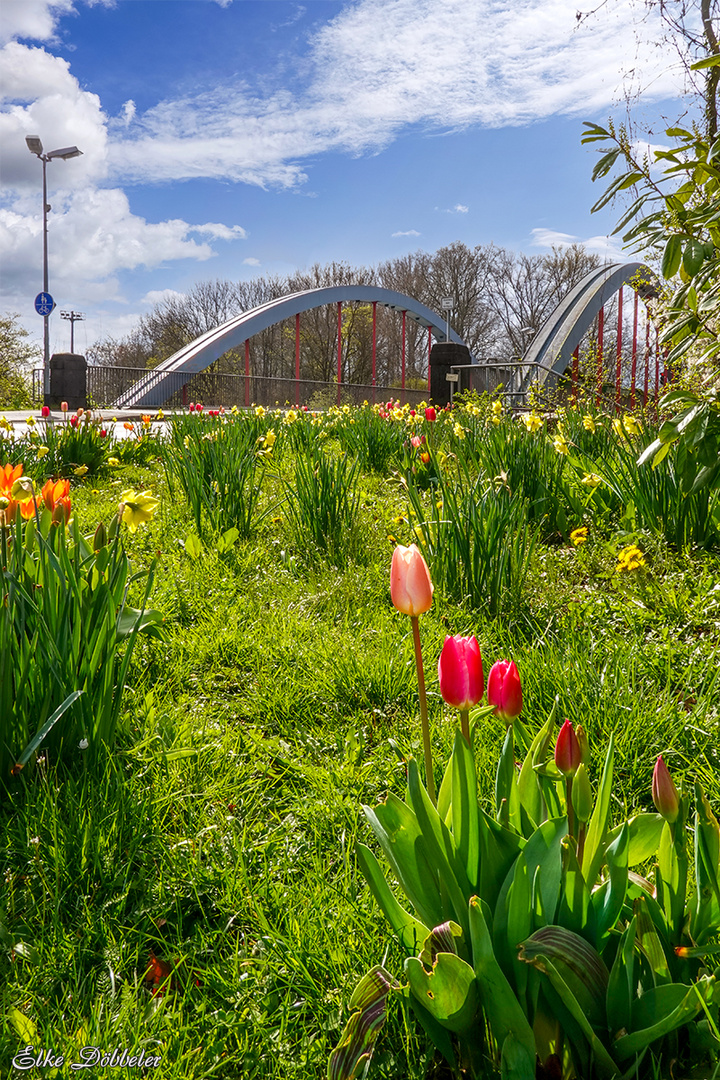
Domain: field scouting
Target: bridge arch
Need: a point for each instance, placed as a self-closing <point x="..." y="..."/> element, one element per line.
<point x="551" y="351"/>
<point x="154" y="388"/>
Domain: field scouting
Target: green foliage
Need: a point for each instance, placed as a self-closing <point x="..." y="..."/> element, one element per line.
<point x="16" y="356"/>
<point x="65" y="625"/>
<point x="218" y="466"/>
<point x="323" y="503"/>
<point x="533" y="941"/>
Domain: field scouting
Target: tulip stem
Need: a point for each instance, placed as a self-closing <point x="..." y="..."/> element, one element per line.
<point x="569" y="807"/>
<point x="429" y="778"/>
<point x="465" y="724"/>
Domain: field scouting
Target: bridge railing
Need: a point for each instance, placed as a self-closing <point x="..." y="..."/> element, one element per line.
<point x="105" y="385"/>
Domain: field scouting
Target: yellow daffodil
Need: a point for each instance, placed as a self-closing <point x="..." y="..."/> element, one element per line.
<point x="160" y="415"/>
<point x="560" y="444"/>
<point x="6" y="424"/>
<point x="113" y="461"/>
<point x="579" y="536"/>
<point x="81" y="470"/>
<point x="532" y="421"/>
<point x="31" y="421"/>
<point x="497" y="407"/>
<point x="259" y="411"/>
<point x="589" y="423"/>
<point x="42" y="451"/>
<point x="290" y="416"/>
<point x="22" y="489"/>
<point x="631" y="425"/>
<point x="591" y="480"/>
<point x="138" y="507"/>
<point x="458" y="431"/>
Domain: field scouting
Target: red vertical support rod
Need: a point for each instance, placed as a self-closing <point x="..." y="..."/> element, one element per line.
<point x="374" y="348"/>
<point x="647" y="357"/>
<point x="339" y="357"/>
<point x="297" y="358"/>
<point x="633" y="366"/>
<point x="657" y="367"/>
<point x="247" y="371"/>
<point x="404" y="336"/>
<point x="618" y="363"/>
<point x="429" y="352"/>
<point x="601" y="334"/>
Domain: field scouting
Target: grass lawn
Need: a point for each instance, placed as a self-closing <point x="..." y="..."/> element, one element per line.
<point x="197" y="897"/>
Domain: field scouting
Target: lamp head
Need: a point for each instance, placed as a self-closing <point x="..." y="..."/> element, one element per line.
<point x="34" y="144"/>
<point x="65" y="153"/>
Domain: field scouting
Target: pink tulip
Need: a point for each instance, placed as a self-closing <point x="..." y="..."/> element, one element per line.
<point x="664" y="792"/>
<point x="430" y="413"/>
<point x="74" y="421"/>
<point x="460" y="672"/>
<point x="567" y="750"/>
<point x="191" y="407"/>
<point x="63" y="406"/>
<point x="198" y="407"/>
<point x="410" y="585"/>
<point x="504" y="690"/>
<point x="45" y="411"/>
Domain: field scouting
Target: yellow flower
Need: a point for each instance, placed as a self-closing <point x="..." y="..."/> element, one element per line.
<point x="81" y="470"/>
<point x="113" y="461"/>
<point x="630" y="558"/>
<point x="6" y="424"/>
<point x="291" y="416"/>
<point x="259" y="411"/>
<point x="560" y="444"/>
<point x="497" y="407"/>
<point x="22" y="489"/>
<point x="617" y="427"/>
<point x="160" y="415"/>
<point x="458" y="431"/>
<point x="532" y="421"/>
<point x="186" y="442"/>
<point x="631" y="425"/>
<point x="588" y="423"/>
<point x="579" y="536"/>
<point x="591" y="480"/>
<point x="31" y="421"/>
<point x="138" y="507"/>
<point x="42" y="451"/>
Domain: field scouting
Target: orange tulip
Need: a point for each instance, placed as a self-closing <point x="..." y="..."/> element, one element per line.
<point x="410" y="585"/>
<point x="56" y="493"/>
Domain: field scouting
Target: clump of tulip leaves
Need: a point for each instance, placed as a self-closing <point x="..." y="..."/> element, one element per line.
<point x="534" y="947"/>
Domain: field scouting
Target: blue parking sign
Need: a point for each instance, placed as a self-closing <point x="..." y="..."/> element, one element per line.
<point x="44" y="303"/>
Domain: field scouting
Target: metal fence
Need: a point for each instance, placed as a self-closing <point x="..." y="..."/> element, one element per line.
<point x="106" y="384"/>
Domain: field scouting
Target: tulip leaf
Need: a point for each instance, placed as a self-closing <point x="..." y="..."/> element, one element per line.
<point x="499" y="848"/>
<point x="410" y="930"/>
<point x="580" y="965"/>
<point x="441" y="848"/>
<point x="608" y="900"/>
<point x="705" y="910"/>
<point x="594" y="853"/>
<point x="399" y="835"/>
<point x="575" y="911"/>
<point x="519" y="924"/>
<point x="140" y="621"/>
<point x="670" y="1009"/>
<point x="645" y="830"/>
<point x="528" y="788"/>
<point x="671" y="876"/>
<point x="465" y="811"/>
<point x="621" y="984"/>
<point x="448" y="991"/>
<point x="650" y="945"/>
<point x="505" y="782"/>
<point x="357" y="1042"/>
<point x="444" y="800"/>
<point x="604" y="1064"/>
<point x="499" y="1002"/>
<point x="516" y="1062"/>
<point x="44" y="731"/>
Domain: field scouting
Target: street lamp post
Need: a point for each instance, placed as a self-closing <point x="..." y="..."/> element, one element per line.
<point x="35" y="146"/>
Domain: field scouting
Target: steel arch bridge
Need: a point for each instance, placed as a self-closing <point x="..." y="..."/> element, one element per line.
<point x="154" y="388"/>
<point x="553" y="350"/>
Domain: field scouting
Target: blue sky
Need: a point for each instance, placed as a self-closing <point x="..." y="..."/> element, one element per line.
<point x="227" y="138"/>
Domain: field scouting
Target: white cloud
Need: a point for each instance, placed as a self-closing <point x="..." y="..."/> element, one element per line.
<point x="220" y="232"/>
<point x="458" y="208"/>
<point x="606" y="246"/>
<point x="32" y="19"/>
<point x="156" y="296"/>
<point x="251" y="261"/>
<point x="406" y="232"/>
<point x="382" y="65"/>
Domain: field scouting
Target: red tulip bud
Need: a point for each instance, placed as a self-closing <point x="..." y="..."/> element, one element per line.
<point x="460" y="672"/>
<point x="45" y="411"/>
<point x="504" y="690"/>
<point x="430" y="413"/>
<point x="410" y="585"/>
<point x="664" y="792"/>
<point x="567" y="750"/>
